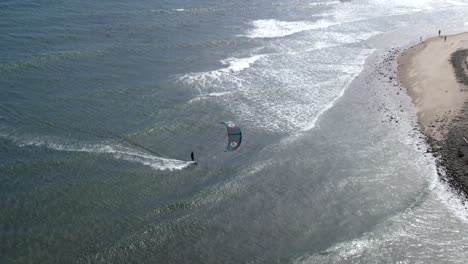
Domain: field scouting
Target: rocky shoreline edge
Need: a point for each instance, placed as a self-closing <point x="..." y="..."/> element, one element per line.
<point x="452" y="151"/>
<point x="434" y="73"/>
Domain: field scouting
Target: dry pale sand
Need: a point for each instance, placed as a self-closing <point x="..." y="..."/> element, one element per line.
<point x="426" y="72"/>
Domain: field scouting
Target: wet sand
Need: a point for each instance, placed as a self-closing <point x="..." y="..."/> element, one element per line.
<point x="434" y="72"/>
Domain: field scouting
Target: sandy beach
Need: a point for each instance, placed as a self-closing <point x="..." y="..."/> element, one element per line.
<point x="434" y="72"/>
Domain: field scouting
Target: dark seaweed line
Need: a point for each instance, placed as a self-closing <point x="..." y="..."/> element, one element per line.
<point x="460" y="65"/>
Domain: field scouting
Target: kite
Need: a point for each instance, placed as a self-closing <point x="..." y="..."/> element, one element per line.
<point x="234" y="136"/>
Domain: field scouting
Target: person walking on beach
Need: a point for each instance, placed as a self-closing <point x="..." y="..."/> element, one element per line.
<point x="445" y="38"/>
<point x="439" y="32"/>
<point x="420" y="39"/>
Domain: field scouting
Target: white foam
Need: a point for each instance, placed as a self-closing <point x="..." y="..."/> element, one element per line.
<point x="272" y="28"/>
<point x="456" y="3"/>
<point x="362" y="58"/>
<point x="295" y="100"/>
<point x="335" y="39"/>
<point x="181" y="10"/>
<point x="216" y="94"/>
<point x="420" y="223"/>
<point x="209" y="95"/>
<point x="324" y="3"/>
<point x="322" y="45"/>
<point x="235" y="65"/>
<point x="239" y="64"/>
<point x="351" y="37"/>
<point x="117" y="151"/>
<point x="449" y="197"/>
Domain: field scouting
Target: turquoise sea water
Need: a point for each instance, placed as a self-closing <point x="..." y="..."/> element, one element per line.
<point x="101" y="104"/>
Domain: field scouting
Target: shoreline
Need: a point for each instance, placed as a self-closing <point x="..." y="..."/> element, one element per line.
<point x="435" y="75"/>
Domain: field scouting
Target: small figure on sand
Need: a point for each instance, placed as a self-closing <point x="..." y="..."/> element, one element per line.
<point x="439" y="32"/>
<point x="445" y="38"/>
<point x="420" y="39"/>
<point x="192" y="156"/>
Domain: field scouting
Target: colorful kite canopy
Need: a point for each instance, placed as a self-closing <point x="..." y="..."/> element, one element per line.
<point x="234" y="136"/>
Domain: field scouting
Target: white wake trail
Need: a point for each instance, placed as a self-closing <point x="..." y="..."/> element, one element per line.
<point x="116" y="150"/>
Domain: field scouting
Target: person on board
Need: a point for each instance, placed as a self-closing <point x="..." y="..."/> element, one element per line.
<point x="192" y="156"/>
<point x="439" y="32"/>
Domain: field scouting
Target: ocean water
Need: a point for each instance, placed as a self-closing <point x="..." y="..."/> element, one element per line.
<point x="102" y="102"/>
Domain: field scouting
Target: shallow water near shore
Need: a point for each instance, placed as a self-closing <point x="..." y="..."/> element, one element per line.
<point x="101" y="105"/>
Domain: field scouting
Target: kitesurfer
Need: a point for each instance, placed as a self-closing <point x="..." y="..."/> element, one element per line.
<point x="192" y="156"/>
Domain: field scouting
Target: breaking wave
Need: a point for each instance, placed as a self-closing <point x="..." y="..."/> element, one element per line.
<point x="272" y="28"/>
<point x="207" y="96"/>
<point x="175" y="11"/>
<point x="456" y="3"/>
<point x="239" y="64"/>
<point x="234" y="65"/>
<point x="324" y="3"/>
<point x="284" y="98"/>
